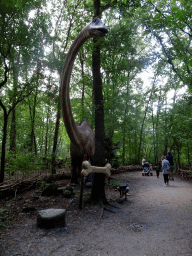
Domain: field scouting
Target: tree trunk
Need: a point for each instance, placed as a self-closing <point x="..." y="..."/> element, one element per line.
<point x="166" y="132"/>
<point x="142" y="126"/>
<point x="47" y="130"/>
<point x="32" y="116"/>
<point x="188" y="155"/>
<point x="2" y="170"/>
<point x="123" y="154"/>
<point x="141" y="135"/>
<point x="12" y="146"/>
<point x="178" y="158"/>
<point x="56" y="137"/>
<point x="125" y="121"/>
<point x="98" y="187"/>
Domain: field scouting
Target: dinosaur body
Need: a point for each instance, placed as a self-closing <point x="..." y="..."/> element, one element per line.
<point x="81" y="135"/>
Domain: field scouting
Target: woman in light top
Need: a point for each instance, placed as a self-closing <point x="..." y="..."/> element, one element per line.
<point x="166" y="170"/>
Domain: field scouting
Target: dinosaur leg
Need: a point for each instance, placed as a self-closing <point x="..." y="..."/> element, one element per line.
<point x="79" y="165"/>
<point x="74" y="164"/>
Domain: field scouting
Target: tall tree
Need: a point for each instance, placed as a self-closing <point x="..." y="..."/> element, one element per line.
<point x="66" y="18"/>
<point x="169" y="22"/>
<point x="16" y="29"/>
<point x="98" y="191"/>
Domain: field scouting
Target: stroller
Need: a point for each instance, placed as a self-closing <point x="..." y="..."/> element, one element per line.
<point x="147" y="170"/>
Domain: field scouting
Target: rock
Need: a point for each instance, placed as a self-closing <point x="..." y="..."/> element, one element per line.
<point x="50" y="218"/>
<point x="50" y="190"/>
<point x="67" y="193"/>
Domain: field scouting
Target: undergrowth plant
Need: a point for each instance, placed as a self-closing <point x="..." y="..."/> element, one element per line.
<point x="25" y="163"/>
<point x="114" y="184"/>
<point x="4" y="217"/>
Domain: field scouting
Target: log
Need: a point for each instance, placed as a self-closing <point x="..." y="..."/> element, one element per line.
<point x="25" y="185"/>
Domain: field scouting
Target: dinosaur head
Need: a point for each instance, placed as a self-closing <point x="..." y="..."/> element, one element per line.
<point x="97" y="28"/>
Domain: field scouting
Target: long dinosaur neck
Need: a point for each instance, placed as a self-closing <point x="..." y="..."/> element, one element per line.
<point x="70" y="124"/>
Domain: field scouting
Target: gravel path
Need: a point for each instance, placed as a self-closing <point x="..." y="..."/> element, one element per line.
<point x="155" y="221"/>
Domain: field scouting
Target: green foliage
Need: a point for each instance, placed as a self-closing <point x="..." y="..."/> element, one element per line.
<point x="24" y="163"/>
<point x="169" y="22"/>
<point x="86" y="195"/>
<point x="43" y="184"/>
<point x="4" y="217"/>
<point x="114" y="184"/>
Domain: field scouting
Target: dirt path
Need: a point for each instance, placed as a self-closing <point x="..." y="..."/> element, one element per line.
<point x="155" y="220"/>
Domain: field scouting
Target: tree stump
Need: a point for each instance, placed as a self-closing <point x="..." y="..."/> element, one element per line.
<point x="50" y="218"/>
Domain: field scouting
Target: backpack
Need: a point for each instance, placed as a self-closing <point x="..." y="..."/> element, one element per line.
<point x="166" y="167"/>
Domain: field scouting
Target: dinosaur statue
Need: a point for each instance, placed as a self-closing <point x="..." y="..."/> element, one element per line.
<point x="82" y="136"/>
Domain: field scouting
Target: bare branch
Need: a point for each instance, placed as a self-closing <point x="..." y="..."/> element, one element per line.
<point x="107" y="6"/>
<point x="5" y="64"/>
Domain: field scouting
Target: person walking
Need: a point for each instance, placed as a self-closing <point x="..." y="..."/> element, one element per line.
<point x="166" y="169"/>
<point x="170" y="159"/>
<point x="144" y="161"/>
<point x="158" y="167"/>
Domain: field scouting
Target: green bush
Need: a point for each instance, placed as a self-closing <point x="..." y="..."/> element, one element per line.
<point x="3" y="217"/>
<point x="114" y="184"/>
<point x="25" y="163"/>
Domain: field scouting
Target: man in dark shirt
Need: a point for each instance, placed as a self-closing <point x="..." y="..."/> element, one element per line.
<point x="170" y="159"/>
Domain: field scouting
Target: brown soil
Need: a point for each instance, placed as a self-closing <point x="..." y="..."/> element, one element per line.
<point x="155" y="220"/>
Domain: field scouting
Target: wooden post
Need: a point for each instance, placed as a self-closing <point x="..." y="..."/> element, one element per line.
<point x="81" y="193"/>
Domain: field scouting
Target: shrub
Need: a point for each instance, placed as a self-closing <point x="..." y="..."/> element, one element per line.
<point x="25" y="163"/>
<point x="114" y="184"/>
